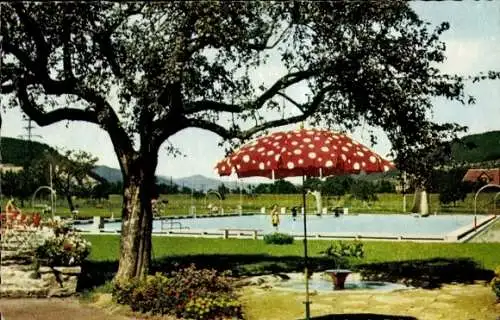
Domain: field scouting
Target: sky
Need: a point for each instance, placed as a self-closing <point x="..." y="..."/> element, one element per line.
<point x="473" y="44"/>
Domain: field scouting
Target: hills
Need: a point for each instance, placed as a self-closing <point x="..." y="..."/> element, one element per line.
<point x="476" y="150"/>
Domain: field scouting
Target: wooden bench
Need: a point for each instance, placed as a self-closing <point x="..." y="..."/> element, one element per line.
<point x="254" y="232"/>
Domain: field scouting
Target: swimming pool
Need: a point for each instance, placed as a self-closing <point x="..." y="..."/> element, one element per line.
<point x="362" y="225"/>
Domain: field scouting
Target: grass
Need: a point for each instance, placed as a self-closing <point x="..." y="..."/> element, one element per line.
<point x="106" y="248"/>
<point x="181" y="204"/>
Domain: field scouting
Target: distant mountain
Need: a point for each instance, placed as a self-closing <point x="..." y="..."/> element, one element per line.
<point x="477" y="148"/>
<point x="197" y="182"/>
<point x="18" y="151"/>
<point x="108" y="173"/>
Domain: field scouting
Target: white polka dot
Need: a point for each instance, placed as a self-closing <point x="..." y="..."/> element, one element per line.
<point x="252" y="149"/>
<point x="277" y="157"/>
<point x="276" y="143"/>
<point x="278" y="137"/>
<point x="290" y="165"/>
<point x="261" y="166"/>
<point x="363" y="164"/>
<point x="335" y="137"/>
<point x="344" y="148"/>
<point x="349" y="144"/>
<point x="316" y="138"/>
<point x="223" y="168"/>
<point x="302" y="146"/>
<point x="343" y="156"/>
<point x="298" y="135"/>
<point x="265" y="140"/>
<point x="365" y="149"/>
<point x="329" y="164"/>
<point x="283" y="149"/>
<point x="297" y="151"/>
<point x="301" y="161"/>
<point x="246" y="158"/>
<point x="306" y="140"/>
<point x="268" y="163"/>
<point x="261" y="149"/>
<point x="386" y="168"/>
<point x="348" y="160"/>
<point x="320" y="159"/>
<point x="335" y="147"/>
<point x="356" y="166"/>
<point x="262" y="153"/>
<point x="289" y="153"/>
<point x="325" y="149"/>
<point x="312" y="155"/>
<point x="311" y="146"/>
<point x="270" y="152"/>
<point x="294" y="143"/>
<point x="238" y="166"/>
<point x="288" y="136"/>
<point x="254" y="162"/>
<point x="373" y="159"/>
<point x="360" y="153"/>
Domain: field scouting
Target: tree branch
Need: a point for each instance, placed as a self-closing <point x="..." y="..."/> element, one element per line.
<point x="295" y="103"/>
<point x="33" y="29"/>
<point x="206" y="105"/>
<point x="46" y="118"/>
<point x="264" y="44"/>
<point x="282" y="83"/>
<point x="309" y="109"/>
<point x="66" y="38"/>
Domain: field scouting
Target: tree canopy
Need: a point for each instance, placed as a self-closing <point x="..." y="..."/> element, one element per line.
<point x="145" y="71"/>
<point x="362" y="61"/>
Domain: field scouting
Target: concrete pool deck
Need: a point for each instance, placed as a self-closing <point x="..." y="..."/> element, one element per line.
<point x="461" y="234"/>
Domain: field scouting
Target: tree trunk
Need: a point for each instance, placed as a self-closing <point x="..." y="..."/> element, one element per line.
<point x="137" y="220"/>
<point x="421" y="203"/>
<point x="70" y="202"/>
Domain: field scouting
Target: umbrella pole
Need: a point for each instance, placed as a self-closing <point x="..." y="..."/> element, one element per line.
<point x="306" y="263"/>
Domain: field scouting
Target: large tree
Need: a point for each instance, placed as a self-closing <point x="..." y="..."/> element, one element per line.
<point x="143" y="72"/>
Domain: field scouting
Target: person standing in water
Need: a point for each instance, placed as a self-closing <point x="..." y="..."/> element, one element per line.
<point x="275" y="217"/>
<point x="294" y="213"/>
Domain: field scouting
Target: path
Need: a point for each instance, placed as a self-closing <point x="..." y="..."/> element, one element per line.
<point x="48" y="309"/>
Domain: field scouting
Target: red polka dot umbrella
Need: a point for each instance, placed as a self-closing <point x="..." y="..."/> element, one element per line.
<point x="305" y="152"/>
<point x="308" y="152"/>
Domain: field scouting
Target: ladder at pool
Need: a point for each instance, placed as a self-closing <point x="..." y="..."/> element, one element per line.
<point x="170" y="224"/>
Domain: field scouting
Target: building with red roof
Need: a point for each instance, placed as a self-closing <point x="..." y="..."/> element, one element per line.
<point x="484" y="175"/>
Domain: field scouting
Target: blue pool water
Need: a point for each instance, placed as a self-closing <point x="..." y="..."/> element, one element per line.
<point x="393" y="224"/>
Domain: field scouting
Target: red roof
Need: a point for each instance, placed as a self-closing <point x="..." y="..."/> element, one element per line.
<point x="487" y="175"/>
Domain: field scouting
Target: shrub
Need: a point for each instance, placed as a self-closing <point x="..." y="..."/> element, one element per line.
<point x="63" y="248"/>
<point x="190" y="293"/>
<point x="278" y="238"/>
<point x="340" y="252"/>
<point x="495" y="283"/>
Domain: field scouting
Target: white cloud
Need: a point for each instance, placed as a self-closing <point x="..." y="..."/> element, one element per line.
<point x="469" y="56"/>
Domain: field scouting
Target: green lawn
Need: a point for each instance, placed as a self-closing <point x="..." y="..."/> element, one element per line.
<point x="180" y="204"/>
<point x="485" y="254"/>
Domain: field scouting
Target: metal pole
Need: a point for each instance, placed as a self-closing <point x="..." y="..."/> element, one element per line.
<point x="51" y="192"/>
<point x="306" y="263"/>
<point x="495" y="203"/>
<point x="241" y="197"/>
<point x="475" y="200"/>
